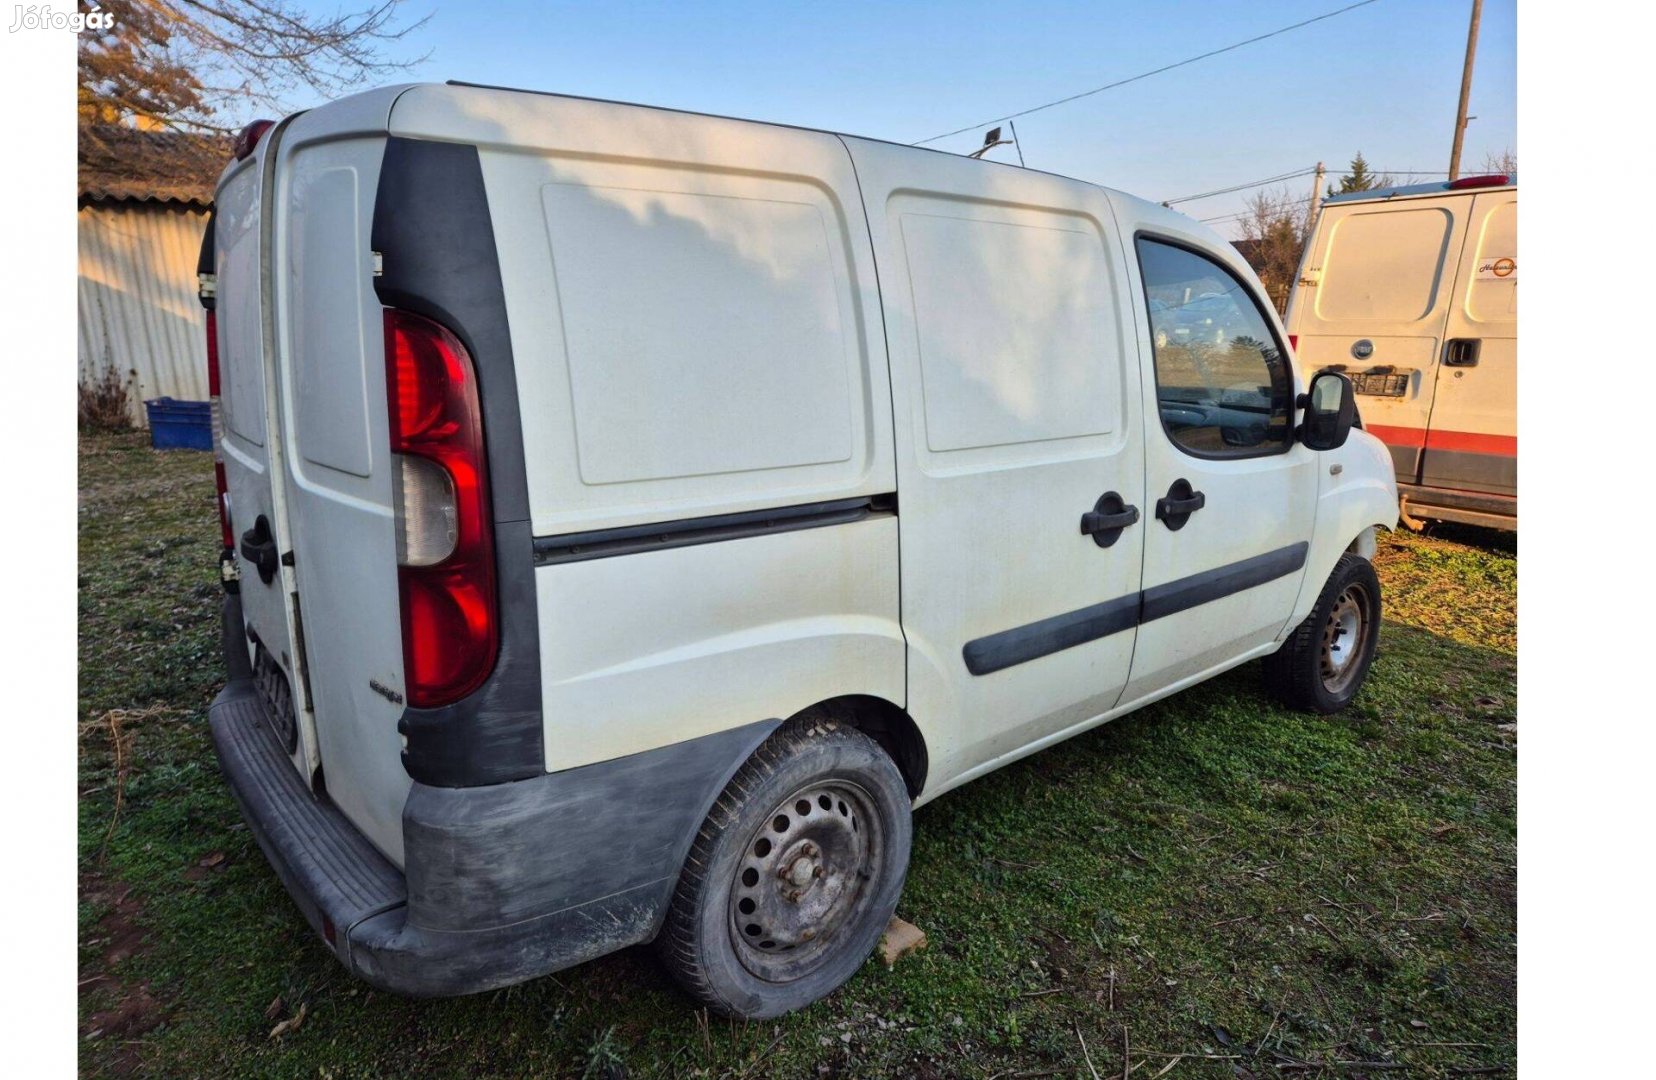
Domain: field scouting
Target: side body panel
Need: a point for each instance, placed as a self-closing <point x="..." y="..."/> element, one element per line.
<point x="695" y="325"/>
<point x="1016" y="409"/>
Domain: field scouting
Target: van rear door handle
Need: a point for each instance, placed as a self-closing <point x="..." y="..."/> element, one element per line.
<point x="1107" y="518"/>
<point x="258" y="547"/>
<point x="1181" y="500"/>
<point x="1461" y="352"/>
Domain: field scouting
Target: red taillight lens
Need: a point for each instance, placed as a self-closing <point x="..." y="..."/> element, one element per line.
<point x="445" y="542"/>
<point x="222" y="489"/>
<point x="1495" y="180"/>
<point x="247" y="140"/>
<point x="1293" y="342"/>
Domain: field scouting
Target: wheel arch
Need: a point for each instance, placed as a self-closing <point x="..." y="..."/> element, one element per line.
<point x="1349" y="514"/>
<point x="889" y="725"/>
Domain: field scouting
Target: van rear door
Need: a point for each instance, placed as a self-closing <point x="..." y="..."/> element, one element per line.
<point x="1472" y="441"/>
<point x="1373" y="296"/>
<point x="251" y="444"/>
<point x="307" y="453"/>
<point x="336" y="460"/>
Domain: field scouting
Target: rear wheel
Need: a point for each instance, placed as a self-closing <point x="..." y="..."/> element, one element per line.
<point x="794" y="874"/>
<point x="1323" y="663"/>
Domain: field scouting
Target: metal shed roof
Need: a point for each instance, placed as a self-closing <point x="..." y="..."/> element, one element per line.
<point x="122" y="164"/>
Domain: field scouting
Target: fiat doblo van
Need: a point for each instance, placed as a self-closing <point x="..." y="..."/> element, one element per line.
<point x="1413" y="293"/>
<point x="630" y="516"/>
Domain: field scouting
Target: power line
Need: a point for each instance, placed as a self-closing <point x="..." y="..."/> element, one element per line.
<point x="1281" y="177"/>
<point x="1147" y="74"/>
<point x="1243" y="187"/>
<point x="1238" y="216"/>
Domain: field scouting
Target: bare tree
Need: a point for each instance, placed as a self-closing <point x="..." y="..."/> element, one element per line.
<point x="208" y="65"/>
<point x="1505" y="162"/>
<point x="1274" y="229"/>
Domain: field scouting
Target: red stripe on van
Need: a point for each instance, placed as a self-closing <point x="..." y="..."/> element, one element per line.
<point x="1466" y="442"/>
<point x="1413" y="438"/>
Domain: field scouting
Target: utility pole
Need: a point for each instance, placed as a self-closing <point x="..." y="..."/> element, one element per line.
<point x="1466" y="89"/>
<point x="1316" y="197"/>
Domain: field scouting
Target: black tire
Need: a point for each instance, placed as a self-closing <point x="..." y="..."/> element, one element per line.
<point x="1308" y="672"/>
<point x="811" y="837"/>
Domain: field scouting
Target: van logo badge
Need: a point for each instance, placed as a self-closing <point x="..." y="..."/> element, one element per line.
<point x="1363" y="349"/>
<point x="385" y="692"/>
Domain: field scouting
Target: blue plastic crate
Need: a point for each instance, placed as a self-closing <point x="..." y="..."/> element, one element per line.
<point x="180" y="425"/>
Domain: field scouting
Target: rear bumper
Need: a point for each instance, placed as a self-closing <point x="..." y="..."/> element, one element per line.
<point x="1486" y="509"/>
<point x="503" y="882"/>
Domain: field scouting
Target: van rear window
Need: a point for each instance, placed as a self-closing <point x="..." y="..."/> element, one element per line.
<point x="1384" y="265"/>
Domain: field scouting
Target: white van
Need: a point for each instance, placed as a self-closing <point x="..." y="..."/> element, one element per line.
<point x="1413" y="292"/>
<point x="631" y="515"/>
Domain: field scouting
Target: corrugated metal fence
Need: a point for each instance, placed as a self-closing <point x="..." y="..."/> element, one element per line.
<point x="138" y="306"/>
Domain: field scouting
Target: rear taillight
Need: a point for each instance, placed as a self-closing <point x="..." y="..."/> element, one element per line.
<point x="223" y="489"/>
<point x="1293" y="342"/>
<point x="445" y="542"/>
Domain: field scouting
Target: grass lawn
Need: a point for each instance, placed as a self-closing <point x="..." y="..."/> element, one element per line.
<point x="1211" y="887"/>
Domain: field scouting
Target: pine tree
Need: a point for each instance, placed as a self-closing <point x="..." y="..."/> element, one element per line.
<point x="1360" y="178"/>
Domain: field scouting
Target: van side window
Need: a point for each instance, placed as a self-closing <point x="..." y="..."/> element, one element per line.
<point x="1222" y="381"/>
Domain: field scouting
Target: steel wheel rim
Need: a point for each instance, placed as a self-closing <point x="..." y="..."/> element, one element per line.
<point x="806" y="873"/>
<point x="1345" y="636"/>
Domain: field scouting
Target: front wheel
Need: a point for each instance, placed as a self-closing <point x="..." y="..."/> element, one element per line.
<point x="794" y="875"/>
<point x="1323" y="663"/>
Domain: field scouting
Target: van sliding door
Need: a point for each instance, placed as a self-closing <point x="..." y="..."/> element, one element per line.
<point x="1020" y="458"/>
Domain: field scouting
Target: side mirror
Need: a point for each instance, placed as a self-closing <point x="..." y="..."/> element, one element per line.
<point x="1330" y="411"/>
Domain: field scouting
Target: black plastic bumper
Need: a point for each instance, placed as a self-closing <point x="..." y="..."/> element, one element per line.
<point x="504" y="882"/>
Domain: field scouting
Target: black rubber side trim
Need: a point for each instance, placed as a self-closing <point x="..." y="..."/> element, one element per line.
<point x="631" y="539"/>
<point x="233" y="639"/>
<point x="1032" y="641"/>
<point x="516" y="880"/>
<point x="1211" y="585"/>
<point x="1037" y="639"/>
<point x="432" y="226"/>
<point x="505" y="882"/>
<point x="500" y="855"/>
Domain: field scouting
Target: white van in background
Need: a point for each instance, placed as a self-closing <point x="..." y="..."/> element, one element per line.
<point x="630" y="515"/>
<point x="1413" y="293"/>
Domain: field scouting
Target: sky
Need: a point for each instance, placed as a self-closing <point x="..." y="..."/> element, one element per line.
<point x="1382" y="79"/>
